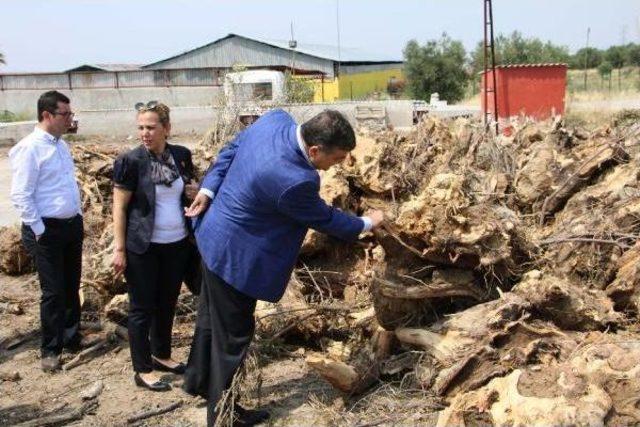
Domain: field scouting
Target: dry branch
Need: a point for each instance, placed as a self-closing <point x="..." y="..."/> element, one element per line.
<point x="153" y="412"/>
<point x="432" y="290"/>
<point x="64" y="418"/>
<point x="85" y="355"/>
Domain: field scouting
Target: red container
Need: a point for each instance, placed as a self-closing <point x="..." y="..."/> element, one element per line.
<point x="533" y="90"/>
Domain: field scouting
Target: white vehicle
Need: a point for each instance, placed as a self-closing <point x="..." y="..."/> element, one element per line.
<point x="254" y="92"/>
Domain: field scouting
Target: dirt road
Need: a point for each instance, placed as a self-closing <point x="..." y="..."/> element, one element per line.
<point x="287" y="386"/>
<point x="8" y="214"/>
<point x="605" y="105"/>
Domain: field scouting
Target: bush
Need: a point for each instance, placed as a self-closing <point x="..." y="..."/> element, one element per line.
<point x="297" y="89"/>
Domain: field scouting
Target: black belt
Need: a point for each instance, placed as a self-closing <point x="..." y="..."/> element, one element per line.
<point x="60" y="221"/>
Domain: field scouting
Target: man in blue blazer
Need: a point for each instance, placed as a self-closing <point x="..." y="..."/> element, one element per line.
<point x="264" y="196"/>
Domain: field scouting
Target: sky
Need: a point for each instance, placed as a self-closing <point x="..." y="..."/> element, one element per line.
<point x="42" y="35"/>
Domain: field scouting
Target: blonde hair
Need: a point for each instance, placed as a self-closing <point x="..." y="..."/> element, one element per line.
<point x="161" y="110"/>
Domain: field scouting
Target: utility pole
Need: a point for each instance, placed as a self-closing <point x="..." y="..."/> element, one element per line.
<point x="489" y="50"/>
<point x="293" y="44"/>
<point x="338" y="30"/>
<point x="586" y="58"/>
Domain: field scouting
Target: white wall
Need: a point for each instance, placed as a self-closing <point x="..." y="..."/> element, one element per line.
<point x="24" y="101"/>
<point x="197" y="119"/>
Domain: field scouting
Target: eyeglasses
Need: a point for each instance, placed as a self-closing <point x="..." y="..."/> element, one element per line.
<point x="141" y="106"/>
<point x="66" y="114"/>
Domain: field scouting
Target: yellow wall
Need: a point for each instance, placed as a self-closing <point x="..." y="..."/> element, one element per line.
<point x="356" y="86"/>
<point x="325" y="90"/>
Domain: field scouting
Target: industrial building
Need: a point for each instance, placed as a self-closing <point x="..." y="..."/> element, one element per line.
<point x="335" y="73"/>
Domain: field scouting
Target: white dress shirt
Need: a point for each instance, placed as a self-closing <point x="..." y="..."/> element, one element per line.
<point x="43" y="181"/>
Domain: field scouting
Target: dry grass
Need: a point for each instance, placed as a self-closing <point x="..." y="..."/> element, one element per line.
<point x="623" y="82"/>
<point x="588" y="119"/>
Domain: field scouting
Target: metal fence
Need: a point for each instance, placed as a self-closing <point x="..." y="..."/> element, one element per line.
<point x="113" y="79"/>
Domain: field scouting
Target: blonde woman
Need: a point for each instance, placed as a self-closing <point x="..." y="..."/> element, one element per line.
<point x="152" y="184"/>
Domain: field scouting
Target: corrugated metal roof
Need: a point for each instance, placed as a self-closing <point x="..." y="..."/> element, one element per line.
<point x="556" y="64"/>
<point x="107" y="67"/>
<point x="344" y="55"/>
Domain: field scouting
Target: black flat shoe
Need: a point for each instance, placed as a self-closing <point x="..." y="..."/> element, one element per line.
<point x="179" y="369"/>
<point x="249" y="417"/>
<point x="156" y="386"/>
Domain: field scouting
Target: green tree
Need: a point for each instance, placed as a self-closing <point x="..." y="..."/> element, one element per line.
<point x="297" y="89"/>
<point x="438" y="66"/>
<point x="633" y="54"/>
<point x="616" y="56"/>
<point x="516" y="49"/>
<point x="605" y="69"/>
<point x="633" y="58"/>
<point x="592" y="55"/>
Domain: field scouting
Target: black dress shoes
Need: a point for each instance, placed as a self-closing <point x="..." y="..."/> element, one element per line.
<point x="179" y="369"/>
<point x="156" y="386"/>
<point x="51" y="363"/>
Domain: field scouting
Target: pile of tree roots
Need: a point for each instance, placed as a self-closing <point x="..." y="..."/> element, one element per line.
<point x="504" y="281"/>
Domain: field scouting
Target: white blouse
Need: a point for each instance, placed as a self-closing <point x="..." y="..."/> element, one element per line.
<point x="169" y="225"/>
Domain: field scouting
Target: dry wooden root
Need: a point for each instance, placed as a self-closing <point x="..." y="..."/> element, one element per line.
<point x="63" y="418"/>
<point x="596" y="385"/>
<point x="341" y="375"/>
<point x="11" y="308"/>
<point x="92" y="391"/>
<point x="14" y="258"/>
<point x="87" y="354"/>
<point x="10" y="376"/>
<point x="431" y="290"/>
<point x="568" y="305"/>
<point x="444" y="348"/>
<point x="625" y="289"/>
<point x="153" y="412"/>
<point x="117" y="310"/>
<point x="15" y="341"/>
<point x="351" y="367"/>
<point x="501" y="403"/>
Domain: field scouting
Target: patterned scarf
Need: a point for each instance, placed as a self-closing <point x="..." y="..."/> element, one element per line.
<point x="163" y="168"/>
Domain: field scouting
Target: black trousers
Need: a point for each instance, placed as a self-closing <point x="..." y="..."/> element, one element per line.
<point x="58" y="258"/>
<point x="224" y="329"/>
<point x="154" y="280"/>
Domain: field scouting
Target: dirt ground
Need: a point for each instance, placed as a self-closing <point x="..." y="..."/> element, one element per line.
<point x="287" y="385"/>
<point x="294" y="394"/>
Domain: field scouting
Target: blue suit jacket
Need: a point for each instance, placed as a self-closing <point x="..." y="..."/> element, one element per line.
<point x="266" y="198"/>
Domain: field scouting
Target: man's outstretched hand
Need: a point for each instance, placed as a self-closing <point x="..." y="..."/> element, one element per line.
<point x="199" y="205"/>
<point x="376" y="217"/>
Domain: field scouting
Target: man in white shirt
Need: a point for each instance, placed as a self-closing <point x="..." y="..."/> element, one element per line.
<point x="45" y="193"/>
